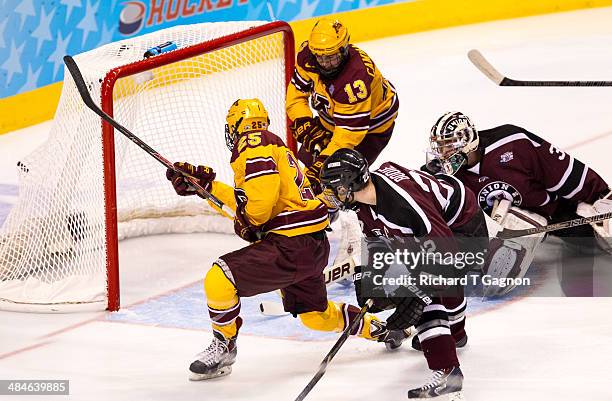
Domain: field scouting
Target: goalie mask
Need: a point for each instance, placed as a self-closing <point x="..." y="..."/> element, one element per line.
<point x="344" y="173"/>
<point x="452" y="138"/>
<point x="244" y="115"/>
<point x="328" y="42"/>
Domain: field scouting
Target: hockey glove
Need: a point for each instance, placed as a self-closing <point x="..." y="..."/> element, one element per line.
<point x="313" y="172"/>
<point x="243" y="228"/>
<point x="408" y="312"/>
<point x="311" y="134"/>
<point x="364" y="290"/>
<point x="203" y="174"/>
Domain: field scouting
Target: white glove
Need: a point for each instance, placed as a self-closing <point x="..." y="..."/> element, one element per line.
<point x="600" y="206"/>
<point x="603" y="230"/>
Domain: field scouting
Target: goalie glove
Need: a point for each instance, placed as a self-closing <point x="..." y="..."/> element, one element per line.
<point x="311" y="134"/>
<point x="203" y="174"/>
<point x="603" y="229"/>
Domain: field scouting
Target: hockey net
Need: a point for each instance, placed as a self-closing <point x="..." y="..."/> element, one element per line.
<point x="88" y="187"/>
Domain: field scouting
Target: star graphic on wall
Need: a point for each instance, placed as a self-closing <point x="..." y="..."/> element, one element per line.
<point x="89" y="24"/>
<point x="71" y="4"/>
<point x="57" y="57"/>
<point x="337" y="4"/>
<point x="365" y="3"/>
<point x="31" y="81"/>
<point x="106" y="36"/>
<point x="306" y="10"/>
<point x="281" y="6"/>
<point x="254" y="11"/>
<point x="25" y="9"/>
<point x="12" y="65"/>
<point x="43" y="30"/>
<point x="2" y="28"/>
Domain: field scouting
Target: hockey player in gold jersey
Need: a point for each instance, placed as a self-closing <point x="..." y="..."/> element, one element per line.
<point x="356" y="105"/>
<point x="277" y="212"/>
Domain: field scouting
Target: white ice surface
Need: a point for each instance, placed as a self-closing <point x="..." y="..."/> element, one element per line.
<point x="529" y="349"/>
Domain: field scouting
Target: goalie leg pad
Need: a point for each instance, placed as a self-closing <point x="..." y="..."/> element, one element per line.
<point x="344" y="238"/>
<point x="510" y="259"/>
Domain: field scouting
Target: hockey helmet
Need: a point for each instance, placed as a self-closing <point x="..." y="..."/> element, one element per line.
<point x="328" y="42"/>
<point x="244" y="115"/>
<point x="452" y="138"/>
<point x="344" y="173"/>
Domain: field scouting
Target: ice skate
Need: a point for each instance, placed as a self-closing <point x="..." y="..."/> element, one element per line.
<point x="444" y="384"/>
<point x="216" y="360"/>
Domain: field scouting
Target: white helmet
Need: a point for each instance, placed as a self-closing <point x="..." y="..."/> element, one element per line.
<point x="452" y="138"/>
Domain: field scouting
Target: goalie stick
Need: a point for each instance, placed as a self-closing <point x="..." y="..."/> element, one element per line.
<point x="487" y="69"/>
<point x="73" y="68"/>
<point x="330" y="355"/>
<point x="507" y="233"/>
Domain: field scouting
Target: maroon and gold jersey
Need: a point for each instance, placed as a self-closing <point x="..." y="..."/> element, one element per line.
<point x="414" y="203"/>
<point x="530" y="172"/>
<point x="277" y="193"/>
<point x="357" y="102"/>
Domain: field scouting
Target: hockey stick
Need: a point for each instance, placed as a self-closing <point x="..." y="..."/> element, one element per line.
<point x="487" y="69"/>
<point x="507" y="233"/>
<point x="86" y="96"/>
<point x="332" y="274"/>
<point x="330" y="355"/>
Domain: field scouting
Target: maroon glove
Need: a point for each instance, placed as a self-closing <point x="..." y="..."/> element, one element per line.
<point x="242" y="226"/>
<point x="203" y="175"/>
<point x="313" y="172"/>
<point x="311" y="134"/>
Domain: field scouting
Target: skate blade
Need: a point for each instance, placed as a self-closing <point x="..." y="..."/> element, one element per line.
<point x="224" y="371"/>
<point x="456" y="396"/>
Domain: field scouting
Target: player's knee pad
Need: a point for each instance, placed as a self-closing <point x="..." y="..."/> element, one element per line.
<point x="220" y="290"/>
<point x="511" y="258"/>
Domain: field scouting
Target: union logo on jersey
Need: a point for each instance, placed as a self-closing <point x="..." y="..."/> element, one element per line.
<point x="506" y="157"/>
<point x="498" y="190"/>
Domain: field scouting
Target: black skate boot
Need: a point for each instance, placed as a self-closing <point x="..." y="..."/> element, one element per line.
<point x="444" y="383"/>
<point x="416" y="344"/>
<point x="216" y="360"/>
<point x="393" y="339"/>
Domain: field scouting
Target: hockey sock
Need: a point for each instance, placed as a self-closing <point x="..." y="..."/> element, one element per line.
<point x="223" y="302"/>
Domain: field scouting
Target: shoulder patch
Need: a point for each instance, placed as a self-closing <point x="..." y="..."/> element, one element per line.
<point x="305" y="58"/>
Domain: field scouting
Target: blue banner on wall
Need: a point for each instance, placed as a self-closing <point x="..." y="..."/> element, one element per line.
<point x="36" y="34"/>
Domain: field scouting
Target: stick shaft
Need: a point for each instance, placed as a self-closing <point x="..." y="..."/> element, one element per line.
<point x="330" y="355"/>
<point x="508" y="233"/>
<point x="85" y="95"/>
<point x="494" y="75"/>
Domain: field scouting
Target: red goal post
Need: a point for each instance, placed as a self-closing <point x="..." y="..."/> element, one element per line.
<point x="62" y="236"/>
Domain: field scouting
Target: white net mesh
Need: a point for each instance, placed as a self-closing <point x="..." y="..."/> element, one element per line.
<point x="52" y="246"/>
